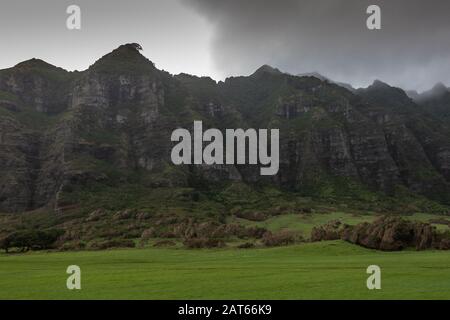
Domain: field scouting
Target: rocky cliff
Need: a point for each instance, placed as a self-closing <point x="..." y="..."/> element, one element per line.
<point x="61" y="130"/>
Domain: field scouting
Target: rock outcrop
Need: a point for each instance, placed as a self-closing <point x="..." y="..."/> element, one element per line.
<point x="385" y="233"/>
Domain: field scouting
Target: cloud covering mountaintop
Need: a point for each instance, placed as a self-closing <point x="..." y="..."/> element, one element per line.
<point x="412" y="50"/>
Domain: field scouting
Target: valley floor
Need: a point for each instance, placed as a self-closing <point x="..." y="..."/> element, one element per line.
<point x="324" y="270"/>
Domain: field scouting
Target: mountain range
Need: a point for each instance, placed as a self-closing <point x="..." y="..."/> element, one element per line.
<point x="62" y="133"/>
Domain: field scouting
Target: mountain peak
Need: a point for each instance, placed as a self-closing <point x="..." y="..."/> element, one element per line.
<point x="124" y="59"/>
<point x="267" y="69"/>
<point x="379" y="84"/>
<point x="129" y="50"/>
<point x="381" y="87"/>
<point x="35" y="63"/>
<point x="439" y="89"/>
<point x="382" y="93"/>
<point x="136" y="47"/>
<point x="313" y="74"/>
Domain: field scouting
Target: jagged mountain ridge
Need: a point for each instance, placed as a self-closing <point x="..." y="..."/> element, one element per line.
<point x="436" y="101"/>
<point x="60" y="129"/>
<point x="323" y="78"/>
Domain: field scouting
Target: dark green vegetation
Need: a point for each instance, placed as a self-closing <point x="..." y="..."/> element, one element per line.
<point x="325" y="270"/>
<point x="89" y="153"/>
<point x="170" y="226"/>
<point x="26" y="240"/>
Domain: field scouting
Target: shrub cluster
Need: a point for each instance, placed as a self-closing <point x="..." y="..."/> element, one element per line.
<point x="31" y="240"/>
<point x="198" y="243"/>
<point x="116" y="243"/>
<point x="281" y="238"/>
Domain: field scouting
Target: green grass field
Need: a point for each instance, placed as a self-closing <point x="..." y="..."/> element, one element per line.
<point x="326" y="270"/>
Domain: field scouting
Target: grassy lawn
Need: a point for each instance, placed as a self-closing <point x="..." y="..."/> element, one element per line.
<point x="327" y="270"/>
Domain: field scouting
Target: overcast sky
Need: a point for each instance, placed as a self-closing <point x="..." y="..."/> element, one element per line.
<point x="234" y="37"/>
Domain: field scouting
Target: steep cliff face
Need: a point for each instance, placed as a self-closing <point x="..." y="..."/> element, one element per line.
<point x="436" y="102"/>
<point x="418" y="142"/>
<point x="121" y="108"/>
<point x="32" y="95"/>
<point x="36" y="85"/>
<point x="19" y="150"/>
<point x="61" y="130"/>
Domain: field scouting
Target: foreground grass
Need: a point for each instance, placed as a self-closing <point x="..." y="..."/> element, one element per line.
<point x="327" y="270"/>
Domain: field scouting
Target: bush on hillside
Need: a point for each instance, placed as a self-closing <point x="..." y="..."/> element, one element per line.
<point x="116" y="243"/>
<point x="246" y="245"/>
<point x="198" y="243"/>
<point x="281" y="238"/>
<point x="31" y="240"/>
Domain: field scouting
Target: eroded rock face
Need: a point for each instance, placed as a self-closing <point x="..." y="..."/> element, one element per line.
<point x="385" y="233"/>
<point x="122" y="110"/>
<point x="19" y="149"/>
<point x="39" y="86"/>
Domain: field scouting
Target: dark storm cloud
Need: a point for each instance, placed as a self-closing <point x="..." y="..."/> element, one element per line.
<point x="330" y="36"/>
